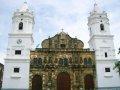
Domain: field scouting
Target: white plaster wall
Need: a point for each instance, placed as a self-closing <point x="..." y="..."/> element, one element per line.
<point x="20" y="80"/>
<point x="25" y="47"/>
<point x="101" y="45"/>
<point x="105" y="79"/>
<point x="13" y="80"/>
<point x="101" y="42"/>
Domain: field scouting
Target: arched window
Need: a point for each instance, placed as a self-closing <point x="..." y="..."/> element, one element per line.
<point x="102" y="27"/>
<point x="20" y="26"/>
<point x="65" y="61"/>
<point x="106" y="54"/>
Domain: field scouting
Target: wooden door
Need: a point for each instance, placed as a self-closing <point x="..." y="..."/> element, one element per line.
<point x="63" y="81"/>
<point x="37" y="82"/>
<point x="89" y="82"/>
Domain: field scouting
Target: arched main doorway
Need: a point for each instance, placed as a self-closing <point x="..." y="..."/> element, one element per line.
<point x="63" y="81"/>
<point x="89" y="82"/>
<point x="37" y="82"/>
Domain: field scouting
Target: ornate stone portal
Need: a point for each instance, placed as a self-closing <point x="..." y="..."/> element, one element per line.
<point x="62" y="64"/>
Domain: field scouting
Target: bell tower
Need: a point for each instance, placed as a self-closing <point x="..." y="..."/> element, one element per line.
<point x="101" y="41"/>
<point x="20" y="41"/>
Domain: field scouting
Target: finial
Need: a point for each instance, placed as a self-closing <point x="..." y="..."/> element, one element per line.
<point x="95" y="2"/>
<point x="96" y="7"/>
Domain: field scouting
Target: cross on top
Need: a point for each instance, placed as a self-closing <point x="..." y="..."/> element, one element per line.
<point x="95" y="1"/>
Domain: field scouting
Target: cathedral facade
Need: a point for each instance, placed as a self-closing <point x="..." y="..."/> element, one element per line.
<point x="62" y="63"/>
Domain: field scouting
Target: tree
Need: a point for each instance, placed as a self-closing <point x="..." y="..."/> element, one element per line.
<point x="117" y="64"/>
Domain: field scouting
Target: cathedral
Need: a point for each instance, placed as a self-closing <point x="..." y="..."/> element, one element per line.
<point x="62" y="63"/>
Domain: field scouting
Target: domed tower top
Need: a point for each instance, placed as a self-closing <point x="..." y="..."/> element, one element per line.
<point x="23" y="20"/>
<point x="97" y="9"/>
<point x="24" y="9"/>
<point x="98" y="22"/>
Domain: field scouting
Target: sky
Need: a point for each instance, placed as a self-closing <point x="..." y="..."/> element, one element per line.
<point x="53" y="15"/>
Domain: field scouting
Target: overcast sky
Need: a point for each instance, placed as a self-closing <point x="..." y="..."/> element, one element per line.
<point x="53" y="15"/>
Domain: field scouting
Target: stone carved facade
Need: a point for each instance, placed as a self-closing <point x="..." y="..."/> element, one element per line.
<point x="62" y="57"/>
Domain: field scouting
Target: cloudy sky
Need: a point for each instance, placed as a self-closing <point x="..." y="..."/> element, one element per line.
<point x="53" y="15"/>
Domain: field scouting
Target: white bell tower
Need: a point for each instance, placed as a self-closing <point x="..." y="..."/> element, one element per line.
<point x="101" y="41"/>
<point x="20" y="41"/>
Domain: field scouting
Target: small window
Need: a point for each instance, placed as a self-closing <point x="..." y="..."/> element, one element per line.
<point x="106" y="54"/>
<point x="17" y="52"/>
<point x="107" y="69"/>
<point x="20" y="26"/>
<point x="102" y="27"/>
<point x="62" y="45"/>
<point x="16" y="70"/>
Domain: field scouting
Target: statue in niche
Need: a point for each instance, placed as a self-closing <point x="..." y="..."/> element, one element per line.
<point x="50" y="59"/>
<point x="56" y="60"/>
<point x="70" y="60"/>
<point x="76" y="60"/>
<point x="80" y="60"/>
<point x="45" y="60"/>
<point x="77" y="76"/>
